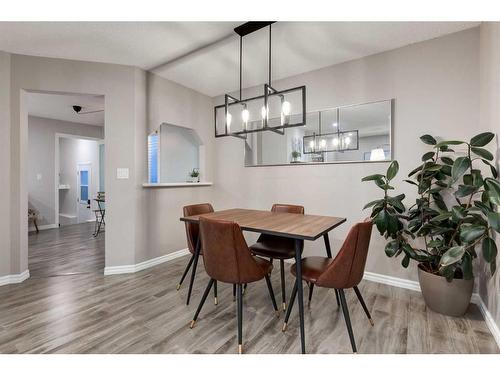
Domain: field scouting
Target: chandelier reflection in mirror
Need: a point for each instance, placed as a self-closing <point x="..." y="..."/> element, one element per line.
<point x="273" y="111"/>
<point x="337" y="141"/>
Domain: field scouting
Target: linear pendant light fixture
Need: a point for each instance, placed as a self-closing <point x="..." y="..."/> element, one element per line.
<point x="274" y="111"/>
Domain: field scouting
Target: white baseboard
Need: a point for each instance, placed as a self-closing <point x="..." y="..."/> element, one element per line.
<point x="14" y="279"/>
<point x="414" y="285"/>
<point x="115" y="270"/>
<point x="43" y="227"/>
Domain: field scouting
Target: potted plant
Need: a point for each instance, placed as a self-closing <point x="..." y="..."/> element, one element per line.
<point x="296" y="156"/>
<point x="452" y="219"/>
<point x="194" y="175"/>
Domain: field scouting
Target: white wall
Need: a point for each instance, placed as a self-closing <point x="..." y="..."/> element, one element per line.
<point x="41" y="161"/>
<point x="489" y="287"/>
<point x="435" y="86"/>
<point x="5" y="198"/>
<point x="73" y="152"/>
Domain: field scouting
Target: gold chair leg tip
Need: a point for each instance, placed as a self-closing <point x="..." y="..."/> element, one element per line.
<point x="178" y="286"/>
<point x="240" y="349"/>
<point x="371" y="322"/>
<point x="191" y="325"/>
<point x="283" y="305"/>
<point x="285" y="325"/>
<point x="216" y="301"/>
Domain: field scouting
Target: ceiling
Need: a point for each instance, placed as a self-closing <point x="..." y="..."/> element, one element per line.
<point x="60" y="107"/>
<point x="211" y="48"/>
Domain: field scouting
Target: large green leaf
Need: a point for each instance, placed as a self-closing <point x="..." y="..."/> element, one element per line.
<point x="493" y="189"/>
<point x="489" y="248"/>
<point x="470" y="233"/>
<point x="452" y="255"/>
<point x="494" y="220"/>
<point x="406" y="261"/>
<point x="447" y="143"/>
<point x="428" y="155"/>
<point x="392" y="171"/>
<point x="441" y="217"/>
<point x="372" y="203"/>
<point x="447" y="160"/>
<point x="373" y="177"/>
<point x="485" y="154"/>
<point x="428" y="139"/>
<point x="482" y="139"/>
<point x="467" y="266"/>
<point x="391" y="248"/>
<point x="492" y="168"/>
<point x="465" y="190"/>
<point x="460" y="165"/>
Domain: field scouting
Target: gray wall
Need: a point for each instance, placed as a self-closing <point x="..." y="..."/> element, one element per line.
<point x="489" y="287"/>
<point x="5" y="198"/>
<point x="41" y="160"/>
<point x="435" y="84"/>
<point x="124" y="118"/>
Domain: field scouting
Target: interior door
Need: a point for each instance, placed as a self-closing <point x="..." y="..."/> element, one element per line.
<point x="84" y="192"/>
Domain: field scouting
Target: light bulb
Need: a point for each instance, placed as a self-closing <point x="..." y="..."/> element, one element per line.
<point x="245" y="115"/>
<point x="311" y="144"/>
<point x="335" y="142"/>
<point x="228" y="121"/>
<point x="322" y="143"/>
<point x="334" y="124"/>
<point x="347" y="141"/>
<point x="286" y="108"/>
<point x="263" y="112"/>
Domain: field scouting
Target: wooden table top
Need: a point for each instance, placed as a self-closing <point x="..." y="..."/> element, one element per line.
<point x="298" y="226"/>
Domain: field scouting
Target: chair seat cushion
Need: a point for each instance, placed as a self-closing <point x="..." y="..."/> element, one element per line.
<point x="274" y="247"/>
<point x="312" y="268"/>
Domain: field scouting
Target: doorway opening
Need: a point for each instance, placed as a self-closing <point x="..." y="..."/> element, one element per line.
<point x="66" y="187"/>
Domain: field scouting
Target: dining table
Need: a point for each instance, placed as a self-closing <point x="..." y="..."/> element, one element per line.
<point x="296" y="226"/>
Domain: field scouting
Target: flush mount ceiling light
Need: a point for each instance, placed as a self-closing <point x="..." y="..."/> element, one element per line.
<point x="274" y="111"/>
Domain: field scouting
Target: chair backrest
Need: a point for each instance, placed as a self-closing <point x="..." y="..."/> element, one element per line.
<point x="192" y="230"/>
<point x="346" y="270"/>
<point x="289" y="208"/>
<point x="226" y="255"/>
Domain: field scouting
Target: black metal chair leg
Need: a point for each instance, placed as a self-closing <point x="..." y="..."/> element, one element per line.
<point x="337" y="297"/>
<point x="185" y="272"/>
<point x="193" y="272"/>
<point x="311" y="288"/>
<point x="234" y="292"/>
<point x="347" y="319"/>
<point x="202" y="302"/>
<point x="244" y="289"/>
<point x="290" y="305"/>
<point x="216" y="302"/>
<point x="240" y="318"/>
<point x="271" y="294"/>
<point x="358" y="293"/>
<point x="283" y="288"/>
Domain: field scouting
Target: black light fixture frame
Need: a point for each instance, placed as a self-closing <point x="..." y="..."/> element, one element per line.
<point x="337" y="133"/>
<point x="242" y="30"/>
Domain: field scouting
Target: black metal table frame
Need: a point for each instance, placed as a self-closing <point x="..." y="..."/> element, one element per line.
<point x="299" y="247"/>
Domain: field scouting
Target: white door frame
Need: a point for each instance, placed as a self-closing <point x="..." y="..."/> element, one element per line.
<point x="58" y="136"/>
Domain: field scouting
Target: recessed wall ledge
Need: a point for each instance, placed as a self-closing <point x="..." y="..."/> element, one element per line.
<point x="176" y="184"/>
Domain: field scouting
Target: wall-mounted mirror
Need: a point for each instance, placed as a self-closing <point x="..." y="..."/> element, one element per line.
<point x="174" y="155"/>
<point x="356" y="133"/>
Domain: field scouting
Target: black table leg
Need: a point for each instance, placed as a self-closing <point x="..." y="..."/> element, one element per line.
<point x="298" y="268"/>
<point x="195" y="264"/>
<point x="327" y="245"/>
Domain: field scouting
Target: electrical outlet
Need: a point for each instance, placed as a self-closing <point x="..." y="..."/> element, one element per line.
<point x="122" y="173"/>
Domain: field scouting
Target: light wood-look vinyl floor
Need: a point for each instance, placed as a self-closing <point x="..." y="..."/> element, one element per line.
<point x="143" y="313"/>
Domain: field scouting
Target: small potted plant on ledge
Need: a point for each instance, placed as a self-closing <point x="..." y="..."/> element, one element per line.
<point x="194" y="175"/>
<point x="296" y="157"/>
<point x="452" y="219"/>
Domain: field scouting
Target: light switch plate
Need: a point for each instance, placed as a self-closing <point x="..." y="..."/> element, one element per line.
<point x="122" y="173"/>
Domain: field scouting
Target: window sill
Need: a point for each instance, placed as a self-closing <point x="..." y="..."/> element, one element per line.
<point x="176" y="184"/>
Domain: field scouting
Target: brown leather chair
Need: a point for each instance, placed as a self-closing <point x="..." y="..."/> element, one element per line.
<point x="192" y="234"/>
<point x="228" y="259"/>
<point x="275" y="247"/>
<point x="343" y="272"/>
